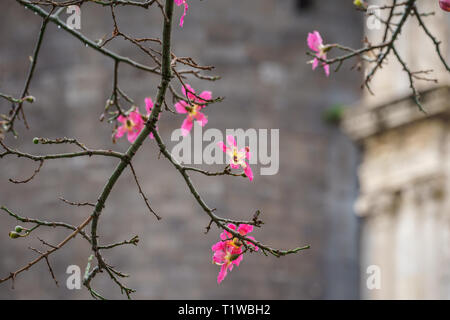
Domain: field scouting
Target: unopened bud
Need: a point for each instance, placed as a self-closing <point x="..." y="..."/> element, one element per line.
<point x="14" y="235"/>
<point x="18" y="229"/>
<point x="35" y="140"/>
<point x="29" y="99"/>
<point x="360" y="4"/>
<point x="327" y="48"/>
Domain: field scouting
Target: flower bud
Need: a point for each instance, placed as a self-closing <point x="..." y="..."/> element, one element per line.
<point x="14" y="235"/>
<point x="29" y="99"/>
<point x="445" y="5"/>
<point x="327" y="48"/>
<point x="360" y="4"/>
<point x="35" y="140"/>
<point x="18" y="229"/>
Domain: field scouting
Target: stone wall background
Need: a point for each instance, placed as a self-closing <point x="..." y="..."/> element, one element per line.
<point x="258" y="47"/>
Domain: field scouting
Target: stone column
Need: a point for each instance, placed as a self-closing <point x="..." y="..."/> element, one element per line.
<point x="404" y="195"/>
<point x="404" y="174"/>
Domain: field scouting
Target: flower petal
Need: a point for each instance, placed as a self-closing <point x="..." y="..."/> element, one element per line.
<point x="121" y="119"/>
<point x="132" y="135"/>
<point x="222" y="273"/>
<point x="188" y="91"/>
<point x="225" y="235"/>
<point x="314" y="41"/>
<point x="181" y="106"/>
<point x="222" y="146"/>
<point x="136" y="117"/>
<point x="205" y="95"/>
<point x="148" y="105"/>
<point x="120" y="131"/>
<point x="201" y="118"/>
<point x="248" y="172"/>
<point x="219" y="257"/>
<point x="326" y="67"/>
<point x="315" y="63"/>
<point x="231" y="141"/>
<point x="233" y="165"/>
<point x="218" y="246"/>
<point x="184" y="14"/>
<point x="245" y="228"/>
<point x="186" y="126"/>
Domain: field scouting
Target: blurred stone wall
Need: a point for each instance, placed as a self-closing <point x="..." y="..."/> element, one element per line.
<point x="258" y="47"/>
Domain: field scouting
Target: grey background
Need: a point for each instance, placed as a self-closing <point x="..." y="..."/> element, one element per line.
<point x="258" y="47"/>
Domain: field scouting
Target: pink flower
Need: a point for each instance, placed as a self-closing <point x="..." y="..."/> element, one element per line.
<point x="445" y="5"/>
<point x="179" y="3"/>
<point x="229" y="252"/>
<point x="131" y="125"/>
<point x="315" y="43"/>
<point x="134" y="122"/>
<point x="226" y="256"/>
<point x="193" y="112"/>
<point x="237" y="157"/>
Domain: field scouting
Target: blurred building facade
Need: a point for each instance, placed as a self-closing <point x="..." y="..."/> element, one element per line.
<point x="404" y="174"/>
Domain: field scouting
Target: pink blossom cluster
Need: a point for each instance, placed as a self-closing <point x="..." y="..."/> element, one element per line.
<point x="229" y="251"/>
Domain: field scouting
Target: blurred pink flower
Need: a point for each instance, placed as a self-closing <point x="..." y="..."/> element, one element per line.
<point x="315" y="43"/>
<point x="179" y="3"/>
<point x="445" y="5"/>
<point x="237" y="157"/>
<point x="193" y="112"/>
<point x="131" y="125"/>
